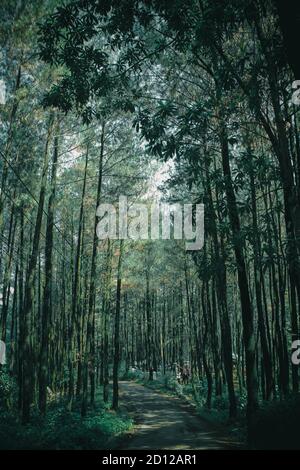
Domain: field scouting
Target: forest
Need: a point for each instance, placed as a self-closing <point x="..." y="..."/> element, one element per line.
<point x="162" y="102"/>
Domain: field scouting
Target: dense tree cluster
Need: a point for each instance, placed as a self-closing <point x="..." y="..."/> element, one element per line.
<point x="99" y="94"/>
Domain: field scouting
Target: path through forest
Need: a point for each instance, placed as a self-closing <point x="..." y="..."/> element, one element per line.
<point x="164" y="422"/>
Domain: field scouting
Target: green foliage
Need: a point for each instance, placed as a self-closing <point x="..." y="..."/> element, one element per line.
<point x="7" y="390"/>
<point x="172" y="384"/>
<point x="61" y="429"/>
<point x="133" y="375"/>
<point x="277" y="425"/>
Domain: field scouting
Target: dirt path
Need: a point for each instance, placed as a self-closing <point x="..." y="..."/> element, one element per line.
<point x="164" y="422"/>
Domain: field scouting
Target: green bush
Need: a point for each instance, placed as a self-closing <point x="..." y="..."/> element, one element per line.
<point x="276" y="425"/>
<point x="133" y="375"/>
<point x="172" y="384"/>
<point x="61" y="429"/>
<point x="220" y="402"/>
<point x="7" y="390"/>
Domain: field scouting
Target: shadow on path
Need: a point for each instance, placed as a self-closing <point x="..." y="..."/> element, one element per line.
<point x="164" y="422"/>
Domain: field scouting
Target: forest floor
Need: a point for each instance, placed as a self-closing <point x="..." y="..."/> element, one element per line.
<point x="167" y="422"/>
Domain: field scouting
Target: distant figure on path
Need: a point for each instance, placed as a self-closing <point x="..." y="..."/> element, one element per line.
<point x="185" y="374"/>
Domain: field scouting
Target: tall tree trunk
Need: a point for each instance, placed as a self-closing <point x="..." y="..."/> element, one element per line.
<point x="47" y="300"/>
<point x="89" y="362"/>
<point x="115" y="402"/>
<point x="247" y="312"/>
<point x="74" y="322"/>
<point x="28" y="373"/>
